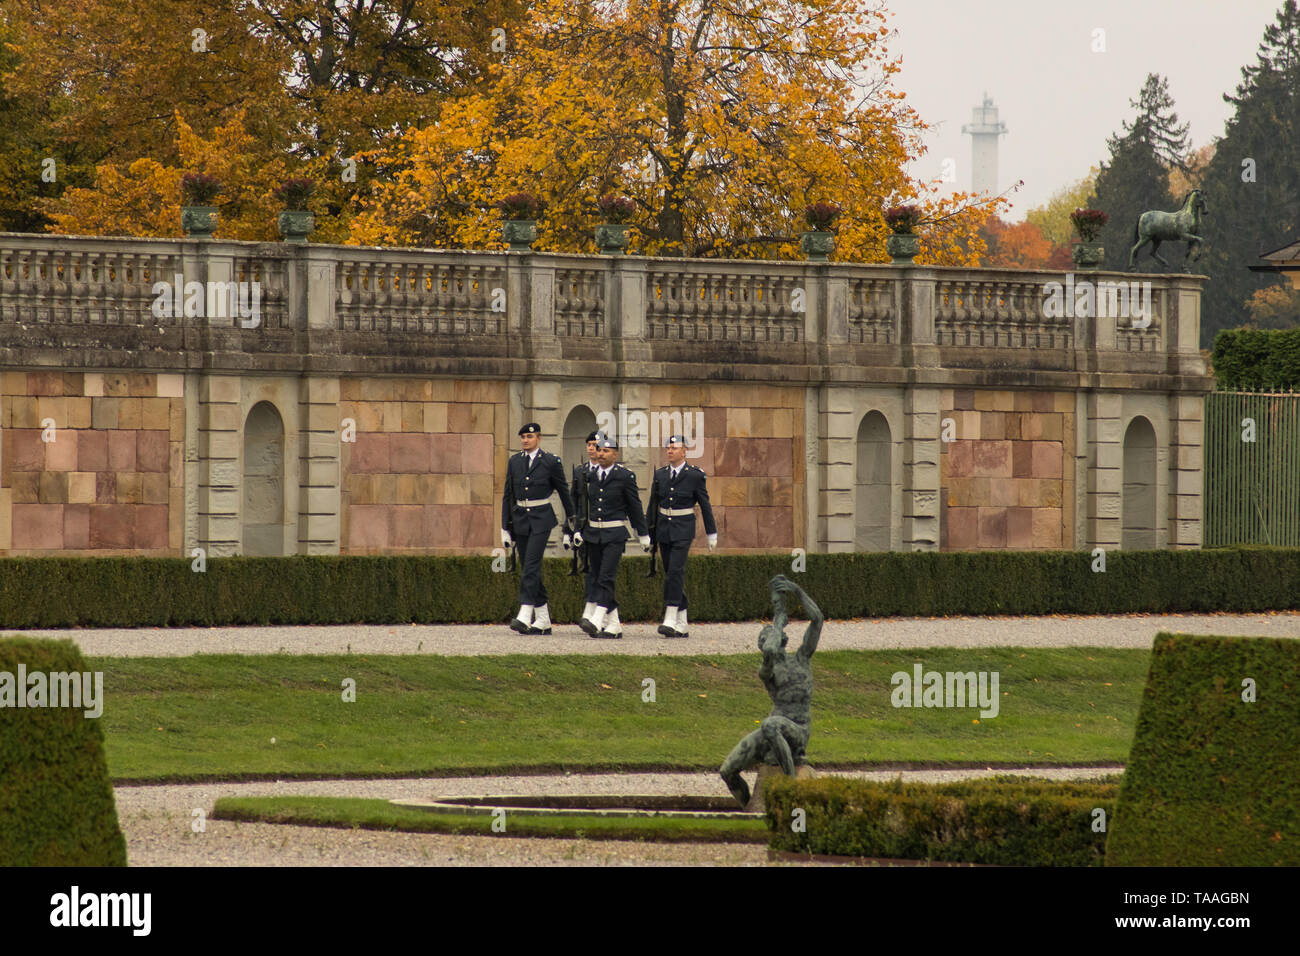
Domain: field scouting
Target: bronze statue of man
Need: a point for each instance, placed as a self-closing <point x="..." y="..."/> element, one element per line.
<point x="782" y="737"/>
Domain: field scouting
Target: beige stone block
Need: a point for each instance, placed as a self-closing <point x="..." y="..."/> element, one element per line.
<point x="130" y="488"/>
<point x="408" y="490"/>
<point x="176" y="463"/>
<point x="1063" y="402"/>
<point x="370" y="416"/>
<point x="1187" y="507"/>
<point x="128" y="413"/>
<point x="176" y="518"/>
<point x="1004" y="401"/>
<point x="1051" y="426"/>
<point x="319" y="501"/>
<point x="81" y="487"/>
<point x="377" y="389"/>
<point x="6" y="519"/>
<point x="762" y="421"/>
<point x="103" y="413"/>
<point x="1003" y="492"/>
<point x="385" y="489"/>
<point x="219" y="388"/>
<point x="482" y="418"/>
<point x="660" y="396"/>
<point x="320" y="391"/>
<point x="53" y="407"/>
<point x="155" y="413"/>
<point x="1189" y="457"/>
<point x="482" y="490"/>
<point x="220" y="444"/>
<point x="456" y="490"/>
<point x="783" y="423"/>
<point x="984" y="399"/>
<point x="412" y="417"/>
<point x="945" y="400"/>
<point x="222" y="418"/>
<point x="25" y="415"/>
<point x="324" y="418"/>
<point x="15" y="383"/>
<point x="435" y="417"/>
<point x="1048" y="493"/>
<point x="715" y="395"/>
<point x="980" y="492"/>
<point x="968" y="426"/>
<point x="443" y="390"/>
<point x="738" y="423"/>
<point x="170" y="385"/>
<point x="349" y="389"/>
<point x="993" y="425"/>
<point x="78" y="412"/>
<point x="474" y="390"/>
<point x="155" y="488"/>
<point x="392" y="412"/>
<point x="176" y="420"/>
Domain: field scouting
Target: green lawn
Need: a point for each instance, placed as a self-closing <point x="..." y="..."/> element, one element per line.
<point x="381" y="815"/>
<point x="267" y="716"/>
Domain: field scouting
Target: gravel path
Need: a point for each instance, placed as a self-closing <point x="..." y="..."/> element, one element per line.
<point x="1124" y="630"/>
<point x="158" y="823"/>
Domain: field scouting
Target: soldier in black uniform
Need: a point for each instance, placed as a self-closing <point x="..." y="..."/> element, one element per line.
<point x="675" y="490"/>
<point x="526" y="512"/>
<point x="612" y="498"/>
<point x="581" y="474"/>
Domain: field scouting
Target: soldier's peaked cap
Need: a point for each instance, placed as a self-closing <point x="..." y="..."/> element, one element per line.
<point x="596" y="435"/>
<point x="605" y="441"/>
<point x="532" y="428"/>
<point x="675" y="440"/>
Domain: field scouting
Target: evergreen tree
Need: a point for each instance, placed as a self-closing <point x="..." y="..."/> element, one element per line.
<point x="1137" y="177"/>
<point x="1253" y="182"/>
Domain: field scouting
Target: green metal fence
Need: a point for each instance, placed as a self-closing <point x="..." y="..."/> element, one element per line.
<point x="1252" y="468"/>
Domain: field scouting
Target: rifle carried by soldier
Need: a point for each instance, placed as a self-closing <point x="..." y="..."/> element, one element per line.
<point x="578" y="523"/>
<point x="652" y="519"/>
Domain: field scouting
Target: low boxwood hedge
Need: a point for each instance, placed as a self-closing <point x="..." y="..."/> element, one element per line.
<point x="142" y="592"/>
<point x="56" y="801"/>
<point x="1005" y="821"/>
<point x="1213" y="776"/>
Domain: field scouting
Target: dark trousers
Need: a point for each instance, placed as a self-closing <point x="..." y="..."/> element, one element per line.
<point x="589" y="576"/>
<point x="673" y="555"/>
<point x="531" y="548"/>
<point x="604" y="559"/>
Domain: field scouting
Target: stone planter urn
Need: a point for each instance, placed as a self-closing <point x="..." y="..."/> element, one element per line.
<point x="519" y="234"/>
<point x="903" y="247"/>
<point x="817" y="245"/>
<point x="1087" y="256"/>
<point x="296" y="224"/>
<point x="198" y="222"/>
<point x="611" y="238"/>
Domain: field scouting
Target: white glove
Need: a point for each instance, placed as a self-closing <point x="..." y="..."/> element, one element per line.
<point x="713" y="541"/>
<point x="577" y="539"/>
<point x="645" y="543"/>
<point x="567" y="542"/>
<point x="506" y="540"/>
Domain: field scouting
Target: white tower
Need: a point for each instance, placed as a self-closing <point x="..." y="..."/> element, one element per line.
<point x="984" y="130"/>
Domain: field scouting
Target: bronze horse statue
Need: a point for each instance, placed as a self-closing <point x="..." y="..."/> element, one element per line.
<point x="1156" y="227"/>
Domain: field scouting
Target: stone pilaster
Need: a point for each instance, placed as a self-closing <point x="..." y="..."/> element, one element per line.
<point x="1186" y="470"/>
<point x="921" y="469"/>
<point x="1105" y="470"/>
<point x="837" y="415"/>
<point x="219" y="481"/>
<point x="319" y="498"/>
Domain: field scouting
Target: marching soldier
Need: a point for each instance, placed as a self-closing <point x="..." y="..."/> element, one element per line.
<point x="526" y="512"/>
<point x="612" y="498"/>
<point x="581" y="474"/>
<point x="675" y="490"/>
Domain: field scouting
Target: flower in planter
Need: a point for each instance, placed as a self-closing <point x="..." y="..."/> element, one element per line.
<point x="295" y="193"/>
<point x="199" y="189"/>
<point x="1088" y="223"/>
<point x="821" y="216"/>
<point x="903" y="220"/>
<point x="520" y="206"/>
<point x="616" y="209"/>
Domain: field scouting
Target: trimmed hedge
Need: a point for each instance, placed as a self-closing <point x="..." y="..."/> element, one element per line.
<point x="161" y="592"/>
<point x="1213" y="780"/>
<point x="1255" y="359"/>
<point x="56" y="801"/>
<point x="1004" y="821"/>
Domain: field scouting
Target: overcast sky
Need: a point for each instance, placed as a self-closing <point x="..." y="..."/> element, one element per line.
<point x="1058" y="99"/>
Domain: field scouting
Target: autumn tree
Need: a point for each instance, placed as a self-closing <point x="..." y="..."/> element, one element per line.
<point x="1274" y="307"/>
<point x="1053" y="217"/>
<point x="1020" y="245"/>
<point x="720" y="121"/>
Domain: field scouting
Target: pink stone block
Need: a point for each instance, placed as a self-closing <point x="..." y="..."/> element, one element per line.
<point x="963" y="529"/>
<point x="61" y="454"/>
<point x="368" y="526"/>
<point x="992" y="458"/>
<point x="1046" y="524"/>
<point x="370" y="453"/>
<point x="1022" y="459"/>
<point x="444" y="455"/>
<point x="76" y="526"/>
<point x="44" y="383"/>
<point x="775" y="527"/>
<point x="753" y="458"/>
<point x="992" y="528"/>
<point x="151" y="451"/>
<point x="961" y="459"/>
<point x="121" y="453"/>
<point x="1004" y="492"/>
<point x="715" y="422"/>
<point x="408" y="454"/>
<point x="112" y="526"/>
<point x="1020" y="530"/>
<point x="92" y="451"/>
<point x="106" y="487"/>
<point x="437" y="526"/>
<point x="479" y="532"/>
<point x="742" y="527"/>
<point x="407" y="527"/>
<point x="38" y="527"/>
<point x="150" y="527"/>
<point x="779" y="461"/>
<point x="1046" y="459"/>
<point x="476" y="455"/>
<point x="727" y="457"/>
<point x="23" y="449"/>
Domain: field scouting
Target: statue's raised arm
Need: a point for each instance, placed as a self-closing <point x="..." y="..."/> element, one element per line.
<point x="783" y="586"/>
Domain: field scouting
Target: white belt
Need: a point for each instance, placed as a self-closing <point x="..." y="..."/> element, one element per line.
<point x="604" y="524"/>
<point x="533" y="503"/>
<point x="677" y="512"/>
